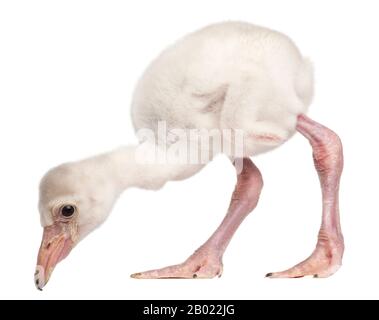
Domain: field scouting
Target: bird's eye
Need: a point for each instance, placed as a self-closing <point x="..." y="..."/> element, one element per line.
<point x="67" y="211"/>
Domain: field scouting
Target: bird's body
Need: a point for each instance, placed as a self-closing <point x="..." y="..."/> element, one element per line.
<point x="233" y="78"/>
<point x="230" y="75"/>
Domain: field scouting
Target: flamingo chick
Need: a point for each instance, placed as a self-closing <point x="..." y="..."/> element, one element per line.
<point x="231" y="77"/>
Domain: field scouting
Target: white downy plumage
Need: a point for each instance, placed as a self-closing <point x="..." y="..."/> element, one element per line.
<point x="229" y="75"/>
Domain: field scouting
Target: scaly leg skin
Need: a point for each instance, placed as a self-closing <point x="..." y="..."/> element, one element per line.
<point x="328" y="158"/>
<point x="206" y="262"/>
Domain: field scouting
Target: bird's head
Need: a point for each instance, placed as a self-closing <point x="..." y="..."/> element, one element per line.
<point x="75" y="198"/>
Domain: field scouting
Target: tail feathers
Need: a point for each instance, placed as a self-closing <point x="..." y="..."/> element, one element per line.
<point x="304" y="82"/>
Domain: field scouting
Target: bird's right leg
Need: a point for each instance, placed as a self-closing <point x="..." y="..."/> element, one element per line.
<point x="328" y="159"/>
<point x="206" y="262"/>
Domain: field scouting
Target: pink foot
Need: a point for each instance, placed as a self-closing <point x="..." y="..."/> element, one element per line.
<point x="323" y="262"/>
<point x="201" y="265"/>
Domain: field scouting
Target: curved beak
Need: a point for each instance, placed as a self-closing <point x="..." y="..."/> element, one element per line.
<point x="57" y="242"/>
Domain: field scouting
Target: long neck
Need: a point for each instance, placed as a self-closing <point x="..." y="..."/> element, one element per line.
<point x="132" y="166"/>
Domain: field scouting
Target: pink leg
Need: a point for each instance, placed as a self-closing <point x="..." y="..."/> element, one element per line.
<point x="206" y="262"/>
<point x="328" y="159"/>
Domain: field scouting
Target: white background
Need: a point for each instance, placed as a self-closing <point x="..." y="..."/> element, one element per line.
<point x="67" y="72"/>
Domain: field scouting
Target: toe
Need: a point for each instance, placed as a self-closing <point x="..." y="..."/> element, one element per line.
<point x="290" y="273"/>
<point x="172" y="272"/>
<point x="136" y="275"/>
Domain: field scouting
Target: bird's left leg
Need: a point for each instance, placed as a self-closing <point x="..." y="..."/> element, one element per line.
<point x="206" y="262"/>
